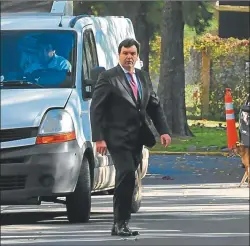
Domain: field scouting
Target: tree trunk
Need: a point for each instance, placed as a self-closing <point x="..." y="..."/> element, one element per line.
<point x="142" y="34"/>
<point x="171" y="88"/>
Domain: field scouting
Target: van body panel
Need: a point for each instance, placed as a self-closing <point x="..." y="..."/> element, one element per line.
<point x="34" y="21"/>
<point x="31" y="105"/>
<point x="25" y="165"/>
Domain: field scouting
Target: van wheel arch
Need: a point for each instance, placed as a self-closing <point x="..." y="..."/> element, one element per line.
<point x="89" y="154"/>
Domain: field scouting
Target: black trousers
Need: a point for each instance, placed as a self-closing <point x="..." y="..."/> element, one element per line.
<point x="126" y="163"/>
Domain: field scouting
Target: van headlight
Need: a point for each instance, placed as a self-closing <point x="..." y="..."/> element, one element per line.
<point x="57" y="126"/>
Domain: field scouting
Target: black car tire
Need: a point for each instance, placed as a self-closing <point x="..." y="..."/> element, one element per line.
<point x="78" y="203"/>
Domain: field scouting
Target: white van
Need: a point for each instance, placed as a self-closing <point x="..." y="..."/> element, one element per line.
<point x="46" y="147"/>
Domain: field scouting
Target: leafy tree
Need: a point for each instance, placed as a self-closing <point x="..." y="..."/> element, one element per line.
<point x="171" y="89"/>
<point x="145" y="15"/>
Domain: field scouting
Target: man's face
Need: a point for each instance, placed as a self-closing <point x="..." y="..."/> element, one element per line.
<point x="128" y="57"/>
<point x="45" y="54"/>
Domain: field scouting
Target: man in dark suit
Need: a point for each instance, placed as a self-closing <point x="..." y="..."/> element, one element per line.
<point x="122" y="99"/>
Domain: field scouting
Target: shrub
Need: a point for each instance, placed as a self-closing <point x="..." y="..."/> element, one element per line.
<point x="228" y="57"/>
<point x="228" y="70"/>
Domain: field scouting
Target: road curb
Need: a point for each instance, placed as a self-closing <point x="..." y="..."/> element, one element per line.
<point x="189" y="153"/>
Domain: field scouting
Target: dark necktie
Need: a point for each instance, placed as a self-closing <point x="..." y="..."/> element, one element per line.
<point x="133" y="86"/>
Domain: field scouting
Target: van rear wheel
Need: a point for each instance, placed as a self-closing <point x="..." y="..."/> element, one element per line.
<point x="78" y="203"/>
<point x="137" y="195"/>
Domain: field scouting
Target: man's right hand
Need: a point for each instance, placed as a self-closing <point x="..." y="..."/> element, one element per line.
<point x="101" y="147"/>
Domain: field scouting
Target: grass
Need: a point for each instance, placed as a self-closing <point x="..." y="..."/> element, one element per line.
<point x="207" y="134"/>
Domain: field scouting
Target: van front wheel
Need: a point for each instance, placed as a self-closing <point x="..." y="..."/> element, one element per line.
<point x="78" y="203"/>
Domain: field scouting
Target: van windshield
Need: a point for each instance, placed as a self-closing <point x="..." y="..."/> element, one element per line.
<point x="37" y="59"/>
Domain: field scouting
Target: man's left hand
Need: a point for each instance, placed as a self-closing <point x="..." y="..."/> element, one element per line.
<point x="165" y="140"/>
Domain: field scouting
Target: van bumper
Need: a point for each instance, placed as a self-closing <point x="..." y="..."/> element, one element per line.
<point x="39" y="170"/>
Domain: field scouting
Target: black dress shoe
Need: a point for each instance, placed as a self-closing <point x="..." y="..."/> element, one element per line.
<point x="122" y="229"/>
<point x="114" y="230"/>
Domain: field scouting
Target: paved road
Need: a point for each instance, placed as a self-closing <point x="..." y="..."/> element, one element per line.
<point x="197" y="169"/>
<point x="174" y="212"/>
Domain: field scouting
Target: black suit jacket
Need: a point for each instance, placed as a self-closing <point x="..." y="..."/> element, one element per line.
<point x="118" y="118"/>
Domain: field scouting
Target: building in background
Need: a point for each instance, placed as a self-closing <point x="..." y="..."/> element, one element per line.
<point x="233" y="19"/>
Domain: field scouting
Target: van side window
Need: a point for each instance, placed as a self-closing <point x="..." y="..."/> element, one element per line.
<point x="93" y="49"/>
<point x="87" y="59"/>
<point x="90" y="56"/>
<point x="85" y="65"/>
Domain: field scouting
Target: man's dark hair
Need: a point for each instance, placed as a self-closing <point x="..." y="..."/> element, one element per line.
<point x="45" y="45"/>
<point x="128" y="43"/>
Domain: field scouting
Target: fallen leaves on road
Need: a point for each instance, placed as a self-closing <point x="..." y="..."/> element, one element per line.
<point x="167" y="178"/>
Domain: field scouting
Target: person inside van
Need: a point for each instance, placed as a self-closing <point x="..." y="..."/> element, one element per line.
<point x="48" y="59"/>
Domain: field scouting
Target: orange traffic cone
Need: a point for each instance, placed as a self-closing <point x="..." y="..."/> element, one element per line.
<point x="232" y="136"/>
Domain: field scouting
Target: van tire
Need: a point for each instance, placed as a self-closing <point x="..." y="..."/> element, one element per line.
<point x="78" y="203"/>
<point x="137" y="195"/>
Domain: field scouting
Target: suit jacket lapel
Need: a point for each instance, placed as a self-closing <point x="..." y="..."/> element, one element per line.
<point x="123" y="79"/>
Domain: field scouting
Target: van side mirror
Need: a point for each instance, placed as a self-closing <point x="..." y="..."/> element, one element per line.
<point x="95" y="72"/>
<point x="89" y="84"/>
